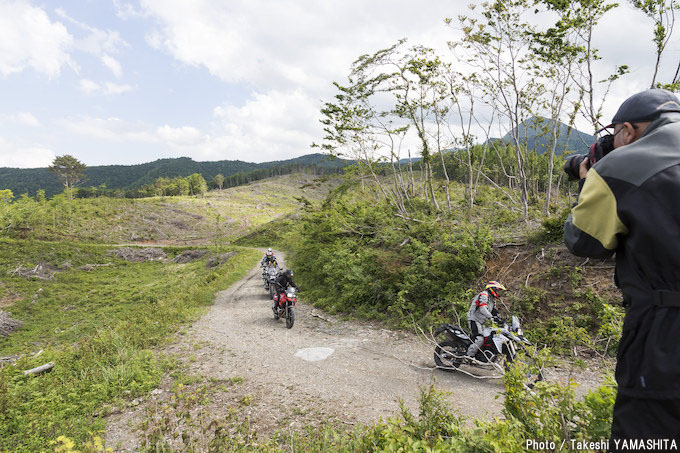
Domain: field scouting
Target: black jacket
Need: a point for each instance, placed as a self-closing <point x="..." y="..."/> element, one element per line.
<point x="630" y="205"/>
<point x="283" y="281"/>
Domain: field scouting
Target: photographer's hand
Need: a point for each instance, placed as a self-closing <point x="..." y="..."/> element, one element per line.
<point x="583" y="167"/>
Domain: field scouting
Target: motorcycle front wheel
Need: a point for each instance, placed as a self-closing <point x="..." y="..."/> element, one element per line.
<point x="290" y="317"/>
<point x="449" y="354"/>
<point x="532" y="372"/>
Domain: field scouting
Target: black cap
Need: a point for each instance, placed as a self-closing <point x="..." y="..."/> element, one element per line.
<point x="646" y="106"/>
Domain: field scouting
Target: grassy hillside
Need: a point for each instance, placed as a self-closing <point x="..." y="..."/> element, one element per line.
<point x="97" y="317"/>
<point x="219" y="215"/>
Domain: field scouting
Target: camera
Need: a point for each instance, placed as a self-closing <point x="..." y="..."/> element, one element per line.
<point x="599" y="149"/>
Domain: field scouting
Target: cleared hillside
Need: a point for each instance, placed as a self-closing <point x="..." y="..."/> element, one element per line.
<point x="219" y="215"/>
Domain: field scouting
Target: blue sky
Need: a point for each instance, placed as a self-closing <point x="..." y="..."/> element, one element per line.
<point x="126" y="82"/>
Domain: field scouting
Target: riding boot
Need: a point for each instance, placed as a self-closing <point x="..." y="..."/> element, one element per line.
<point x="475" y="346"/>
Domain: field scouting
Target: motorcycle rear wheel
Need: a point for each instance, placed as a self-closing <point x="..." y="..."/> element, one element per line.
<point x="290" y="318"/>
<point x="448" y="355"/>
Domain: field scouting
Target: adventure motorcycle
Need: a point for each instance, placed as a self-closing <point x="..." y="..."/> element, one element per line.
<point x="285" y="305"/>
<point x="269" y="275"/>
<point x="500" y="347"/>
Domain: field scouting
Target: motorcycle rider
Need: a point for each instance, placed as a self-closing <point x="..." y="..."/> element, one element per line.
<point x="269" y="259"/>
<point x="482" y="309"/>
<point x="282" y="282"/>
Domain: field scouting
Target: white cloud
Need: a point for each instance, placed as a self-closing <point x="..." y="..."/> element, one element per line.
<point x="97" y="42"/>
<point x="109" y="129"/>
<point x="29" y="39"/>
<point x="16" y="156"/>
<point x="126" y="10"/>
<point x="288" y="53"/>
<point x="108" y="88"/>
<point x="283" y="45"/>
<point x="113" y="65"/>
<point x="271" y="126"/>
<point x="115" y="88"/>
<point x="23" y="119"/>
<point x="180" y="136"/>
<point x="88" y="86"/>
<point x="268" y="126"/>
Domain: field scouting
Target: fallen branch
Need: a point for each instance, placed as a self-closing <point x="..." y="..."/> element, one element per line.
<point x="39" y="370"/>
<point x="509" y="244"/>
<point x="320" y="317"/>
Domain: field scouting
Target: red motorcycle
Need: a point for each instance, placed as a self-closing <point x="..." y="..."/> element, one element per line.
<point x="285" y="305"/>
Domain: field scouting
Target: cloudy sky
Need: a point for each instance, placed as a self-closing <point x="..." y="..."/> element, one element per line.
<point x="125" y="82"/>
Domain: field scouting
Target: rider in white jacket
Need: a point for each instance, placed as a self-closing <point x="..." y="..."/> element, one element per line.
<point x="482" y="309"/>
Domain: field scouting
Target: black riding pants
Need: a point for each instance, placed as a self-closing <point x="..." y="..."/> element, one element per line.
<point x="637" y="418"/>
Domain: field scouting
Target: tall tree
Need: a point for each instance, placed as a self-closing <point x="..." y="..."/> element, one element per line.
<point x="498" y="49"/>
<point x="197" y="185"/>
<point x="219" y="180"/>
<point x="572" y="34"/>
<point x="70" y="170"/>
<point x="662" y="12"/>
<point x="6" y="195"/>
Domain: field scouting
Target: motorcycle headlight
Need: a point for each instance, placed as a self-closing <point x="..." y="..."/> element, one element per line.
<point x="520" y="331"/>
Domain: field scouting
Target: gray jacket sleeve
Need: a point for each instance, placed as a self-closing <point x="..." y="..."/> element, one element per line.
<point x="483" y="306"/>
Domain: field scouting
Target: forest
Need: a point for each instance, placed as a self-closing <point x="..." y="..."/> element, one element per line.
<point x="134" y="181"/>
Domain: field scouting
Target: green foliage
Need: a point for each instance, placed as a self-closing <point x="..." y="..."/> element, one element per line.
<point x="99" y="326"/>
<point x="197" y="185"/>
<point x="562" y="334"/>
<point x="115" y="220"/>
<point x="549" y="411"/>
<point x="69" y="170"/>
<point x="6" y="195"/>
<point x="219" y="181"/>
<point x="530" y="299"/>
<point x="552" y="228"/>
<point x="122" y="180"/>
<point x="359" y="258"/>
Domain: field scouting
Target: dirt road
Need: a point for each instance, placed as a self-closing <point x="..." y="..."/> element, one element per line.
<point x="322" y="369"/>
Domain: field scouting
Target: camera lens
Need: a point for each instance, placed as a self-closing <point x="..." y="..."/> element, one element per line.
<point x="571" y="166"/>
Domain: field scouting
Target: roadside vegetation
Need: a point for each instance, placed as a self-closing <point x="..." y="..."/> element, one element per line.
<point x="98" y="318"/>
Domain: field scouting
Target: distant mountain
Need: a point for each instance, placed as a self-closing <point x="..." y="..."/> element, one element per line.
<point x="535" y="132"/>
<point x="30" y="180"/>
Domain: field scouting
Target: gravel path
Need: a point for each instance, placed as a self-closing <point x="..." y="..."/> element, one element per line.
<point x="323" y="369"/>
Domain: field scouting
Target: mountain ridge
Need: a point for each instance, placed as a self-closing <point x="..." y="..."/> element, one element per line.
<point x="535" y="134"/>
<point x="30" y="180"/>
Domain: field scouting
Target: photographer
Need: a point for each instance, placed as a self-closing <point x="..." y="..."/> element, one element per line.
<point x="628" y="205"/>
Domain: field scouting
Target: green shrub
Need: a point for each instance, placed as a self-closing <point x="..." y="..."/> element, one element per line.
<point x="552" y="228"/>
<point x="359" y="258"/>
